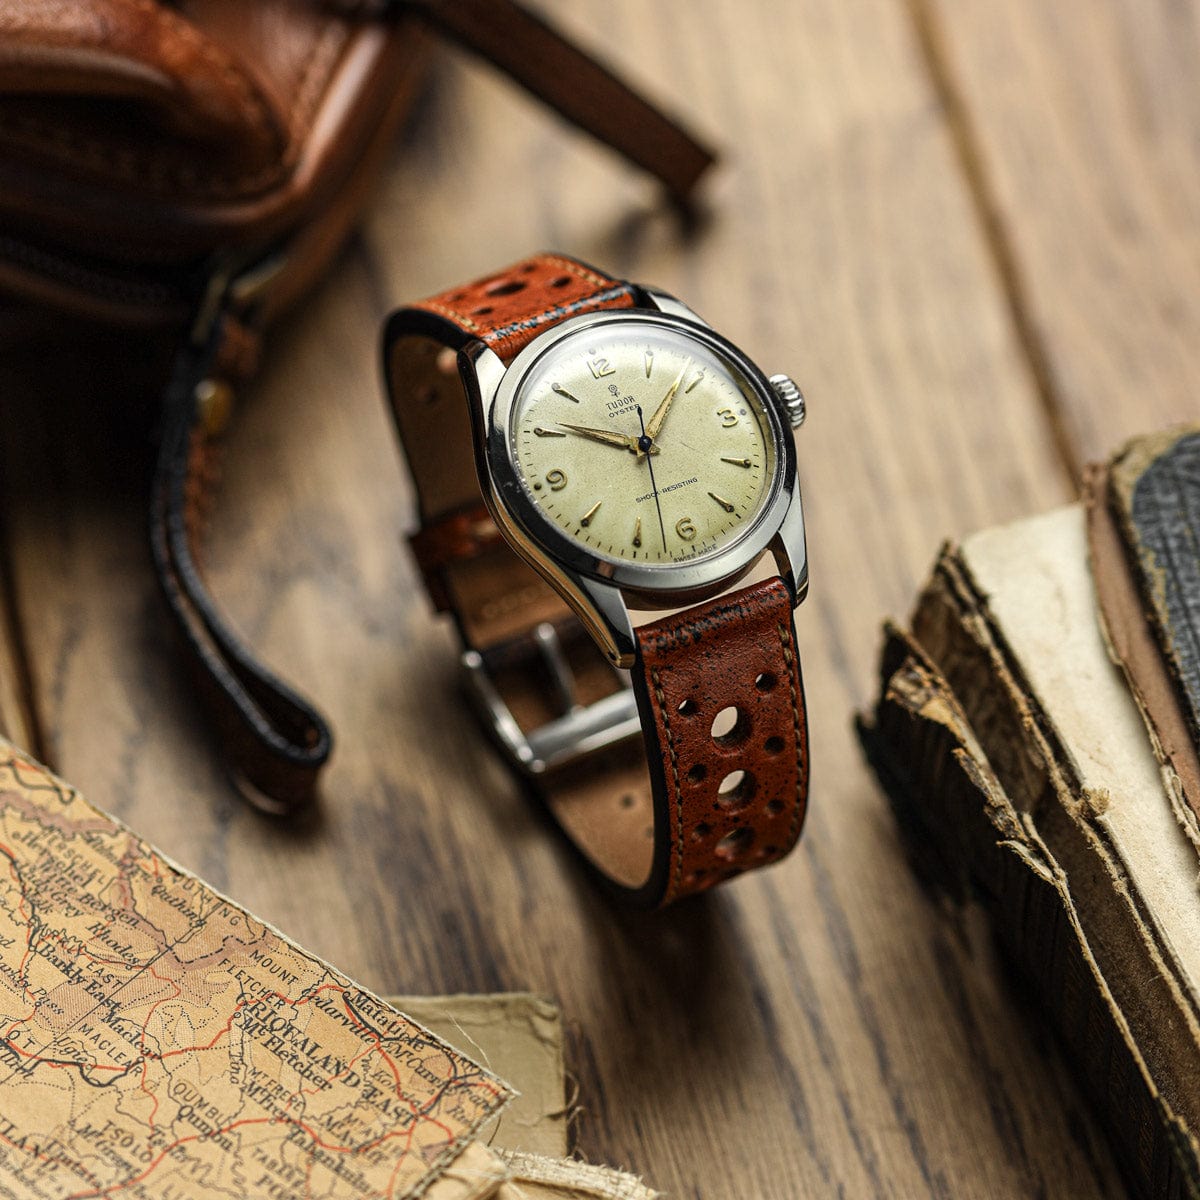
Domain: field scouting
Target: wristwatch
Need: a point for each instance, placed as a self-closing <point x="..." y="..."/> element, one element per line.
<point x="588" y="455"/>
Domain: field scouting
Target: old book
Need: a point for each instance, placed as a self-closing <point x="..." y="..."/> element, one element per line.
<point x="1019" y="766"/>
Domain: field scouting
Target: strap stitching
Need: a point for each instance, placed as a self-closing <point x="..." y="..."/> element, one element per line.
<point x="789" y="659"/>
<point x="458" y="317"/>
<point x="501" y="332"/>
<point x="677" y="846"/>
<point x="578" y="269"/>
<point x="558" y="312"/>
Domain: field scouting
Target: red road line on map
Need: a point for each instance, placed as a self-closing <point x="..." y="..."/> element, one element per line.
<point x="239" y="1124"/>
<point x="142" y="1037"/>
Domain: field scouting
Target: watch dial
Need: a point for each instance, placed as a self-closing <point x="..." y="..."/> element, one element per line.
<point x="643" y="444"/>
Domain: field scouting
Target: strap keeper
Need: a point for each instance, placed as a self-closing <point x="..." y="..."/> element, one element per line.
<point x="456" y="537"/>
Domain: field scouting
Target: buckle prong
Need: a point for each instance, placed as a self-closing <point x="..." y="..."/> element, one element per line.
<point x="550" y="649"/>
<point x="580" y="730"/>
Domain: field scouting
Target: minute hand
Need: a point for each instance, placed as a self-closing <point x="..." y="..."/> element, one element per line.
<point x="660" y="413"/>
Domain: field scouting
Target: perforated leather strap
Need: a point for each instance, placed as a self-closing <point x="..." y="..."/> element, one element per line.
<point x="717" y="783"/>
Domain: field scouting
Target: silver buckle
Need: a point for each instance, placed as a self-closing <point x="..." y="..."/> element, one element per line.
<point x="578" y="731"/>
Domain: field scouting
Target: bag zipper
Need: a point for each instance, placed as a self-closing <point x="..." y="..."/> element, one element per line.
<point x="160" y="298"/>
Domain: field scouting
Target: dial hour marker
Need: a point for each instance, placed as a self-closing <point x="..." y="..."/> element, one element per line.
<point x="554" y="433"/>
<point x="649" y="362"/>
<point x="562" y="391"/>
<point x="637" y="532"/>
<point x="723" y="503"/>
<point x="586" y="519"/>
<point x="737" y="462"/>
<point x="695" y="381"/>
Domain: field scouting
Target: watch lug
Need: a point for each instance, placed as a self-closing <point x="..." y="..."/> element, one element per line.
<point x="610" y="625"/>
<point x="666" y="303"/>
<point x="790" y="548"/>
<point x="482" y="370"/>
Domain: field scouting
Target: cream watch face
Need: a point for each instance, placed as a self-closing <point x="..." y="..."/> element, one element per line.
<point x="643" y="444"/>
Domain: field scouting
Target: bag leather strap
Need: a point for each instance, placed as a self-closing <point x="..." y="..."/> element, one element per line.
<point x="275" y="741"/>
<point x="574" y="84"/>
<point x="682" y="807"/>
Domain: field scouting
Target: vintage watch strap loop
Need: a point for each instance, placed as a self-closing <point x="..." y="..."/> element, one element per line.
<point x="274" y="740"/>
<point x="694" y="806"/>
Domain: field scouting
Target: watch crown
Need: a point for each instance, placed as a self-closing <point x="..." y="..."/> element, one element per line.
<point x="791" y="398"/>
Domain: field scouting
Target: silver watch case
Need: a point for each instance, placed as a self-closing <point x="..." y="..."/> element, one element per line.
<point x="601" y="592"/>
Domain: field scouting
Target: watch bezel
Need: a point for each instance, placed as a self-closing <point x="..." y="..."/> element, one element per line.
<point x="666" y="580"/>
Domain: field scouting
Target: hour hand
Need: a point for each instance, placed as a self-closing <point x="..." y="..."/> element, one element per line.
<point x="607" y="437"/>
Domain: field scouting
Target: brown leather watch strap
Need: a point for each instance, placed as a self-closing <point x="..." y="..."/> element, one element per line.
<point x="722" y="684"/>
<point x="721" y="784"/>
<point x="507" y="311"/>
<point x="717" y="783"/>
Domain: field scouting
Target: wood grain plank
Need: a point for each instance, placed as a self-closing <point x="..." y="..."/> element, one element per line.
<point x="1080" y="123"/>
<point x="821" y="1029"/>
<point x="14" y="692"/>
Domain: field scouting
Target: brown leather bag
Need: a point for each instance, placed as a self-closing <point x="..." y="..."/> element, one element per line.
<point x="186" y="169"/>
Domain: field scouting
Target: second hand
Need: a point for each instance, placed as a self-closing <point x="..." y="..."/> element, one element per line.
<point x="644" y="444"/>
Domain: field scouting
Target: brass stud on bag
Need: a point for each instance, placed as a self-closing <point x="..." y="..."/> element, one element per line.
<point x="214" y="403"/>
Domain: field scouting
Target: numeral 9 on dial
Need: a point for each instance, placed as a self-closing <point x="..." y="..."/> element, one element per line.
<point x="556" y="479"/>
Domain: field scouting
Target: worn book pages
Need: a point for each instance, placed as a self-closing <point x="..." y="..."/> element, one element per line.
<point x="480" y="1173"/>
<point x="1019" y="764"/>
<point x="519" y="1037"/>
<point x="158" y="1041"/>
<point x="1034" y="580"/>
<point x="535" y="1178"/>
<point x="476" y="1174"/>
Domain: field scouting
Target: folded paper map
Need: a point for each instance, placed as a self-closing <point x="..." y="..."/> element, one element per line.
<point x="518" y="1036"/>
<point x="157" y="1041"/>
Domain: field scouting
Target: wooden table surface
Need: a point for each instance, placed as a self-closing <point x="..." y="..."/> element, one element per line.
<point x="970" y="230"/>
